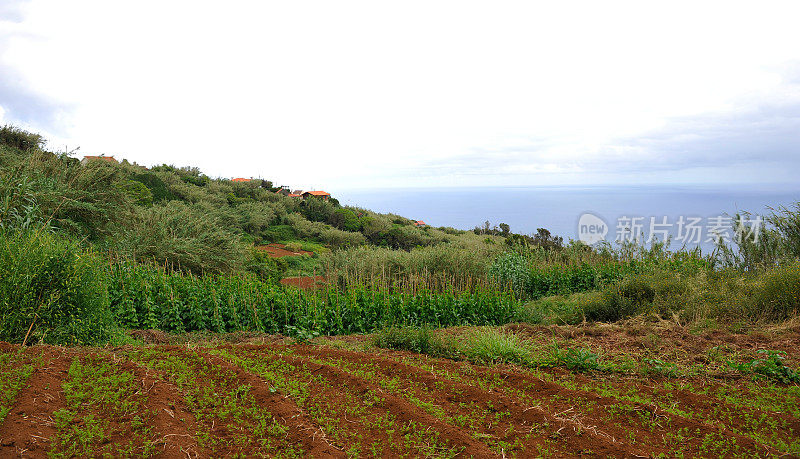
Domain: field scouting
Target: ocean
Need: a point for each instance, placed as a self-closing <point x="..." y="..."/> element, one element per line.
<point x="690" y="214"/>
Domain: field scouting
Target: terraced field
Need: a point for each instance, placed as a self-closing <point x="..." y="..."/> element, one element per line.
<point x="342" y="397"/>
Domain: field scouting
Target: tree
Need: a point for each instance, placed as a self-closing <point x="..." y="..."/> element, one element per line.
<point x="505" y="230"/>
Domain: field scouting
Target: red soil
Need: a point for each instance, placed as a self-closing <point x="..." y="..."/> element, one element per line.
<point x="27" y="429"/>
<point x="336" y="402"/>
<point x="307" y="282"/>
<point x="276" y="250"/>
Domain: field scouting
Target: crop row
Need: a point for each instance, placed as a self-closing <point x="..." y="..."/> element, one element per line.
<point x="148" y="297"/>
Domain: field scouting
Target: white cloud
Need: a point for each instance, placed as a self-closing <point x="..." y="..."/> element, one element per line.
<point x="339" y="94"/>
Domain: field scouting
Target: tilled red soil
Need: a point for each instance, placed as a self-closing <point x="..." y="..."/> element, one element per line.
<point x="328" y="401"/>
<point x="304" y="282"/>
<point x="276" y="250"/>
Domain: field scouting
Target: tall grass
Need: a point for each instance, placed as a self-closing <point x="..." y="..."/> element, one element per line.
<point x="460" y="265"/>
<point x="536" y="273"/>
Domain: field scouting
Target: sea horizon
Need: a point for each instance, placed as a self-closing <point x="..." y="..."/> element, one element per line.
<point x="559" y="208"/>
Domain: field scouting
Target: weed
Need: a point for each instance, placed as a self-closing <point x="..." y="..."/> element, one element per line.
<point x="576" y="359"/>
<point x="487" y="345"/>
<point x="771" y="367"/>
<point x="421" y="340"/>
<point x="659" y="367"/>
<point x="300" y="334"/>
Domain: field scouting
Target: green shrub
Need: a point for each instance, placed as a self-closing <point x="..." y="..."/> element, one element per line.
<point x="620" y="301"/>
<point x="293" y="246"/>
<point x="278" y="233"/>
<point x="18" y="206"/>
<point x="556" y="310"/>
<point x="182" y="237"/>
<point x="158" y="189"/>
<point x="20" y="139"/>
<point x="51" y="282"/>
<point x="138" y="193"/>
<point x="777" y="295"/>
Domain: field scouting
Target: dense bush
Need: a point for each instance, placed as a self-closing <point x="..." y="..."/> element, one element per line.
<point x="50" y="282"/>
<point x="777" y="293"/>
<point x="182" y="237"/>
<point x="620" y="301"/>
<point x="20" y="139"/>
<point x="278" y="233"/>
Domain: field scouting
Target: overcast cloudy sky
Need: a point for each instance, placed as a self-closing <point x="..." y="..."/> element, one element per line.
<point x="341" y="94"/>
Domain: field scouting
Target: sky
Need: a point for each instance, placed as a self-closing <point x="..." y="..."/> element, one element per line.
<point x="349" y="95"/>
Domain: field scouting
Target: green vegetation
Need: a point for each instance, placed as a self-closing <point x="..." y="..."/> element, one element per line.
<point x="771" y="367"/>
<point x="145" y="296"/>
<point x="99" y="396"/>
<point x="92" y="249"/>
<point x="218" y="397"/>
<point x="51" y="286"/>
<point x="16" y="372"/>
<point x="485" y="346"/>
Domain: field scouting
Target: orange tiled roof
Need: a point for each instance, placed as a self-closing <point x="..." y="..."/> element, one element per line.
<point x="103" y="158"/>
<point x="318" y="193"/>
<point x="240" y="179"/>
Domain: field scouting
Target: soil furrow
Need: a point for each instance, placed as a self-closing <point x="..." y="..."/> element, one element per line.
<point x="558" y="397"/>
<point x="172" y="420"/>
<point x="403" y="410"/>
<point x="712" y="409"/>
<point x="29" y="426"/>
<point x="353" y="419"/>
<point x="302" y="430"/>
<point x="575" y="435"/>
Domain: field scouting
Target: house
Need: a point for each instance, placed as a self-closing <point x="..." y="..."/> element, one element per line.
<point x="317" y="194"/>
<point x="420" y="223"/>
<point x="283" y="191"/>
<point x="109" y="159"/>
<point x="239" y="179"/>
<point x="295" y="195"/>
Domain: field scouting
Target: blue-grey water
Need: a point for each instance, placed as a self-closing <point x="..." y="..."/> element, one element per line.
<point x="559" y="208"/>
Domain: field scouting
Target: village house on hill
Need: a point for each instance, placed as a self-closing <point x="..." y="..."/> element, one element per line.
<point x="109" y="159"/>
<point x="240" y="179"/>
<point x="317" y="194"/>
